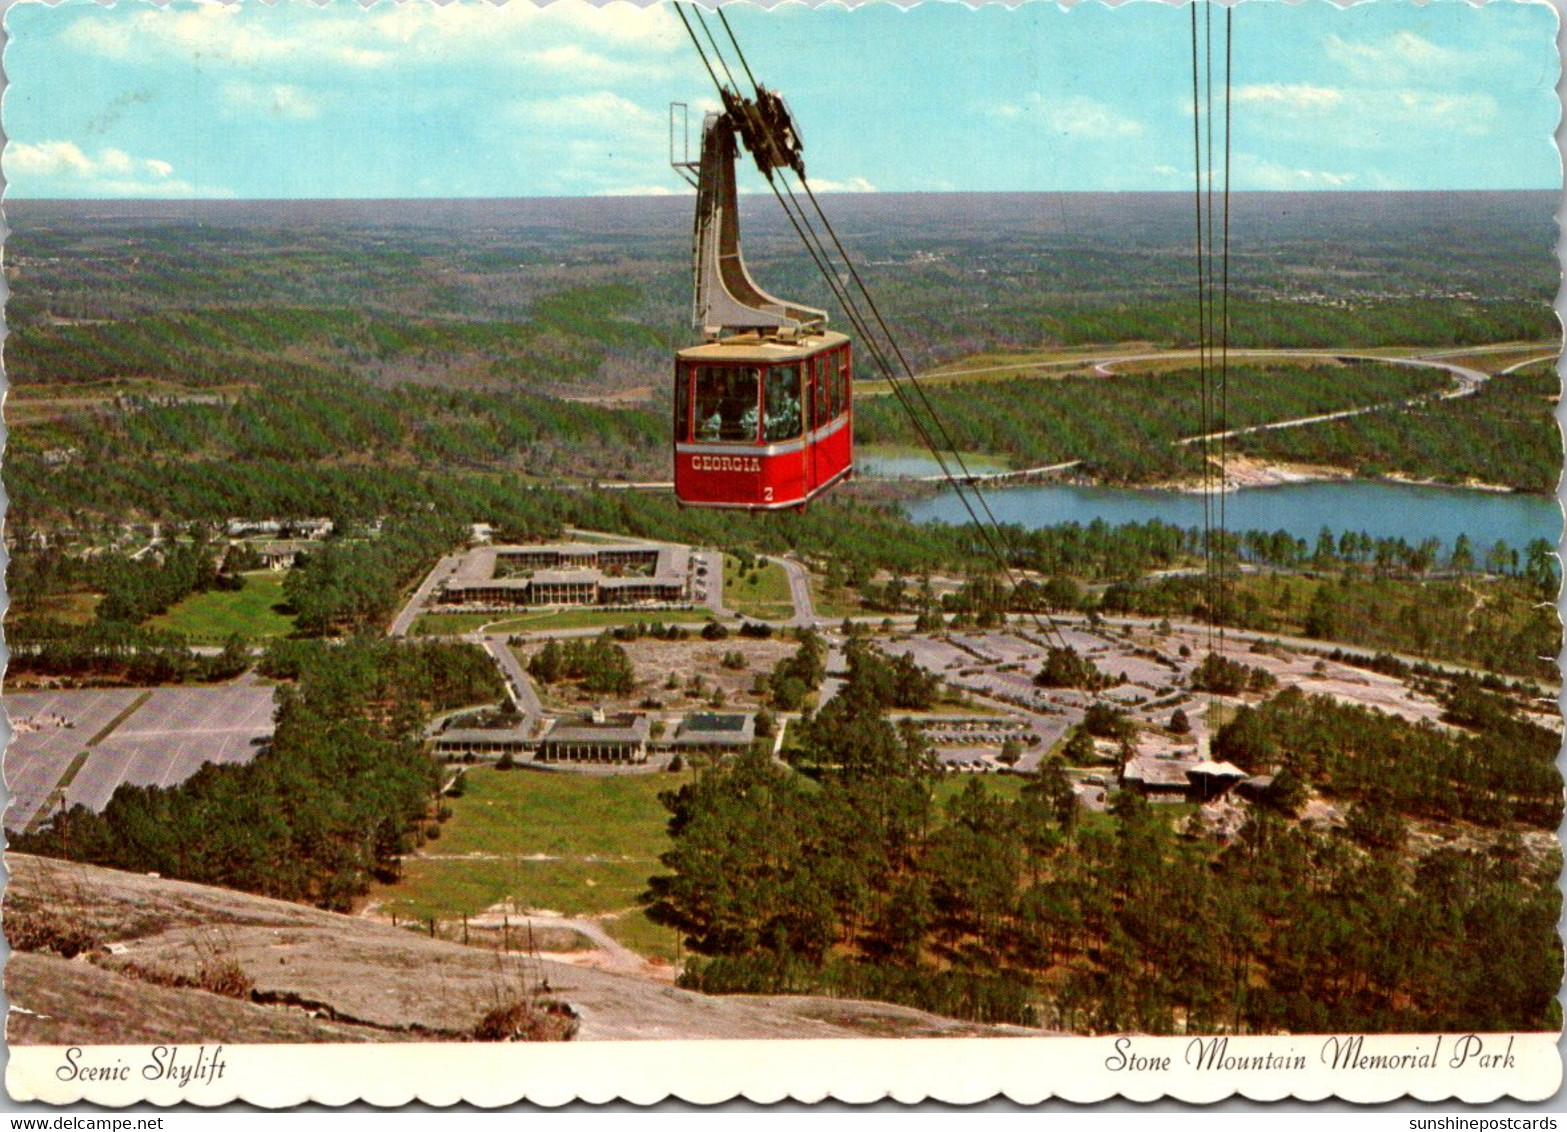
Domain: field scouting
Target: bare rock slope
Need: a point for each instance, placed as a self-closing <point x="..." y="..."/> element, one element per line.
<point x="292" y="973"/>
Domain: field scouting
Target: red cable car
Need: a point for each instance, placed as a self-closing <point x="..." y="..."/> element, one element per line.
<point x="763" y="418"/>
<point x="762" y="423"/>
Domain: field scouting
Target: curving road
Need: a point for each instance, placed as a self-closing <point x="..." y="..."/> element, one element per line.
<point x="1467" y="382"/>
<point x="799" y="592"/>
<point x="442" y="570"/>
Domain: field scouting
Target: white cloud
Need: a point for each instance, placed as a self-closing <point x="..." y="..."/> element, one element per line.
<point x="274" y="100"/>
<point x="1393" y="59"/>
<point x="61" y="168"/>
<point x="226" y="35"/>
<point x="1085" y="118"/>
<point x="1258" y="173"/>
<point x="603" y="110"/>
<point x="47" y="159"/>
<point x="643" y="191"/>
<point x="1297" y="96"/>
<point x="301" y="36"/>
<point x="1433" y="110"/>
<point x="1075" y="117"/>
<point x="570" y="60"/>
<point x="852" y="185"/>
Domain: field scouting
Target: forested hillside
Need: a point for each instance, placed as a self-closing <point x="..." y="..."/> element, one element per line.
<point x="1124" y="428"/>
<point x="1506" y="434"/>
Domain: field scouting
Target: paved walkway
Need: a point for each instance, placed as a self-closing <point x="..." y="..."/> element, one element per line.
<point x="518" y="682"/>
<point x="799" y="592"/>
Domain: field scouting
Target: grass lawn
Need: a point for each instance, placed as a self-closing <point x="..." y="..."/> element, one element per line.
<point x="574" y="844"/>
<point x="601" y="619"/>
<point x="1007" y="787"/>
<point x="1220" y="714"/>
<point x="910" y="455"/>
<point x="453" y="624"/>
<point x="762" y="593"/>
<point x="450" y="624"/>
<point x="643" y="936"/>
<point x="957" y="703"/>
<point x="215" y="615"/>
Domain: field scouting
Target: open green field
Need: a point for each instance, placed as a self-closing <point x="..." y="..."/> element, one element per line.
<point x="642" y="935"/>
<point x="994" y="365"/>
<point x="449" y="624"/>
<point x="575" y="844"/>
<point x="1007" y="787"/>
<point x="980" y="463"/>
<point x="1127" y="429"/>
<point x="217" y="614"/>
<point x="763" y="593"/>
<point x="1057" y="361"/>
<point x="568" y="843"/>
<point x="602" y="619"/>
<point x="1500" y="356"/>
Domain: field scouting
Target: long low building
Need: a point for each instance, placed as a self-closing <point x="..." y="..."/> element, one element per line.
<point x="475" y="742"/>
<point x="571" y="574"/>
<point x="597" y="738"/>
<point x="713" y="733"/>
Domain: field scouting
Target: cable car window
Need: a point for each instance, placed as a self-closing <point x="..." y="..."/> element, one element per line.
<point x="727" y="401"/>
<point x="823" y="392"/>
<point x="682" y="402"/>
<point x="782" y="404"/>
<point x="842" y="379"/>
<point x="834" y="392"/>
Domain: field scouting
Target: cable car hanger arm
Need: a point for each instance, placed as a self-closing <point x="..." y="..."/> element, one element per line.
<point x="726" y="298"/>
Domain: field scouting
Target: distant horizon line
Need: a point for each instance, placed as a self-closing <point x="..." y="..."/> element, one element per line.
<point x="686" y="196"/>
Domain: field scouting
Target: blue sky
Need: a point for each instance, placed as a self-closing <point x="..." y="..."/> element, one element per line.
<point x="416" y="100"/>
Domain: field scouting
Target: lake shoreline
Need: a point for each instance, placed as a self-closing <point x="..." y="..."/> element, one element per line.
<point x="1299" y="505"/>
<point x="1241" y="473"/>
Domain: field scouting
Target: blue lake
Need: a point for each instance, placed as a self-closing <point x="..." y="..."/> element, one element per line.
<point x="1381" y="509"/>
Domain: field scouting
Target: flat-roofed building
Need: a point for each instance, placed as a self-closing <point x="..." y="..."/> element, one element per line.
<point x="714" y="733"/>
<point x="597" y="738"/>
<point x="571" y="574"/>
<point x="469" y="743"/>
<point x="1161" y="777"/>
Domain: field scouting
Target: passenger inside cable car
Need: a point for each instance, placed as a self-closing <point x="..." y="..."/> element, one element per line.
<point x="782" y="419"/>
<point x="726" y="403"/>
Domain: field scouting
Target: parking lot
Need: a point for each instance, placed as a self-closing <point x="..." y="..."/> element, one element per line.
<point x="48" y="731"/>
<point x="164" y="739"/>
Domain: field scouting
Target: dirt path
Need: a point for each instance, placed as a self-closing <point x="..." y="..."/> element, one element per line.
<point x="606" y="953"/>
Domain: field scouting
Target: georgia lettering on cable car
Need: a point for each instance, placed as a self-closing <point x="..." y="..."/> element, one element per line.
<point x="763" y="418"/>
